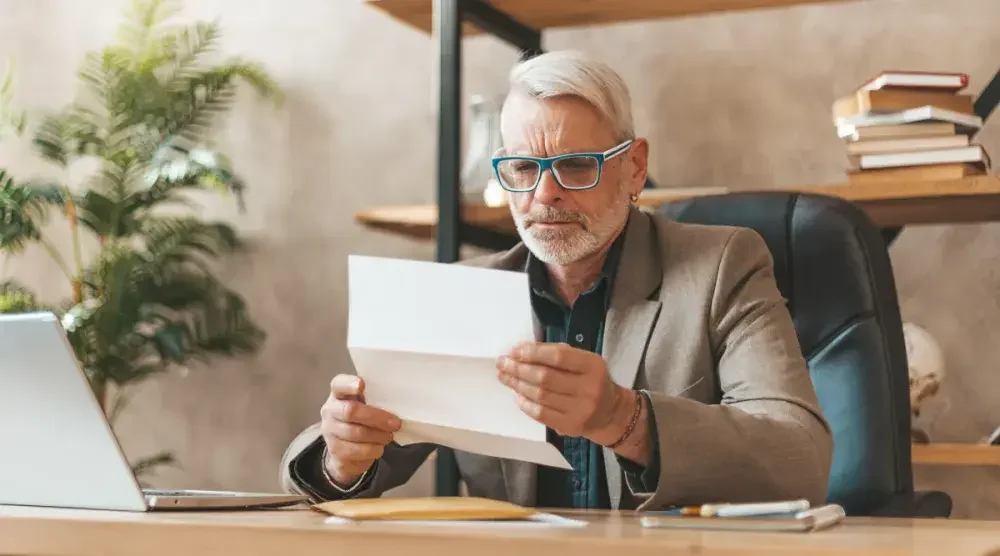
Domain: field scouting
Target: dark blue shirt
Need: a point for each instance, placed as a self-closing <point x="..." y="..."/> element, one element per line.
<point x="581" y="326"/>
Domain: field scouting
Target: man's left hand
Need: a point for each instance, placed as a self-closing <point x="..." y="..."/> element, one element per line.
<point x="567" y="389"/>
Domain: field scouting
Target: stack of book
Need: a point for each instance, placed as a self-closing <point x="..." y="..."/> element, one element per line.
<point x="909" y="125"/>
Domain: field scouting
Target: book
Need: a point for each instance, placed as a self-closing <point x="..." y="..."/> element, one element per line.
<point x="907" y="144"/>
<point x="893" y="100"/>
<point x="909" y="174"/>
<point x="972" y="154"/>
<point x="964" y="123"/>
<point x="940" y="81"/>
<point x="875" y="132"/>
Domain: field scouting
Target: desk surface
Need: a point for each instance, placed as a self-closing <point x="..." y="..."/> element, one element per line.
<point x="36" y="531"/>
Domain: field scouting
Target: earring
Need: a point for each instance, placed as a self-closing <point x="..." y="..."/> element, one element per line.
<point x="634" y="197"/>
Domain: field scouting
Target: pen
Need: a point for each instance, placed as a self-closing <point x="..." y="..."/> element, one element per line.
<point x="742" y="510"/>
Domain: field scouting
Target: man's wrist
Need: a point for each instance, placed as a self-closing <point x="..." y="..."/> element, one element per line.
<point x="331" y="476"/>
<point x="622" y="413"/>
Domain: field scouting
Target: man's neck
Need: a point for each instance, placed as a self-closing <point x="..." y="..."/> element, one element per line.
<point x="575" y="278"/>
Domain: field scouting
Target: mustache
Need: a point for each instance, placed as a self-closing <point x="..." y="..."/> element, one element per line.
<point x="545" y="214"/>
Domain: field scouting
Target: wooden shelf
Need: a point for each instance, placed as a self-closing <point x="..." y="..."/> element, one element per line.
<point x="542" y="14"/>
<point x="956" y="454"/>
<point x="974" y="199"/>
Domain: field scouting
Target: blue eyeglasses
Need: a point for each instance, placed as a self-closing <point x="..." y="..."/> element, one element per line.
<point x="573" y="171"/>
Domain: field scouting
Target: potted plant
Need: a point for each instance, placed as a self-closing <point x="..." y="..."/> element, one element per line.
<point x="150" y="300"/>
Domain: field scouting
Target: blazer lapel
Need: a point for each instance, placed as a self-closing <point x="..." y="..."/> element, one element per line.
<point x="632" y="314"/>
<point x="632" y="311"/>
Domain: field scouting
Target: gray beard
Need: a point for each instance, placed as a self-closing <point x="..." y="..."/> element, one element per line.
<point x="569" y="246"/>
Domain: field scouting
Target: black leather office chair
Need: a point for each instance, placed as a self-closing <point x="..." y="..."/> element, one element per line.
<point x="832" y="265"/>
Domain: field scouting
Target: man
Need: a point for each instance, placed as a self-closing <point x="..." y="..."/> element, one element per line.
<point x="665" y="355"/>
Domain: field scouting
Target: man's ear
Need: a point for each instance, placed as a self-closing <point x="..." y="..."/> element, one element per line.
<point x="638" y="166"/>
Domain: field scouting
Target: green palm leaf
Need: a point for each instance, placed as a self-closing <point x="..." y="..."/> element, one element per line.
<point x="181" y="239"/>
<point x="12" y="120"/>
<point x="15" y="298"/>
<point x="141" y="18"/>
<point x="187" y="48"/>
<point x="23" y="210"/>
<point x="145" y="466"/>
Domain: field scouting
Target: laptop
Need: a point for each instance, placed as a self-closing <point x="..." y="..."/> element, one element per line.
<point x="57" y="448"/>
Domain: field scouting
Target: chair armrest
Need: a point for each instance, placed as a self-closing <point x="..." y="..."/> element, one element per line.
<point x="931" y="503"/>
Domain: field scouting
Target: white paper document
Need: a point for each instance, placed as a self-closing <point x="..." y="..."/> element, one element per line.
<point x="425" y="338"/>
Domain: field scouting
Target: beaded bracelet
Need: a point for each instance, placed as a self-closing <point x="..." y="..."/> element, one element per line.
<point x="631" y="424"/>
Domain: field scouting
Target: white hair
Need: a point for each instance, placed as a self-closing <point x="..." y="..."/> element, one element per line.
<point x="572" y="73"/>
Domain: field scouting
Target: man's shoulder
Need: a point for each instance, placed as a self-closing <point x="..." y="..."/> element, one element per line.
<point x="713" y="241"/>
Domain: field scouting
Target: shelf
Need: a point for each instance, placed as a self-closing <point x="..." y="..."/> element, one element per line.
<point x="973" y="199"/>
<point x="956" y="454"/>
<point x="542" y="14"/>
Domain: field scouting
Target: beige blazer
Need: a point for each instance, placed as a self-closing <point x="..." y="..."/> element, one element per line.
<point x="696" y="320"/>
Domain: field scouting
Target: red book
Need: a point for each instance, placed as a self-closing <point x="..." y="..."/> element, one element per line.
<point x="926" y="80"/>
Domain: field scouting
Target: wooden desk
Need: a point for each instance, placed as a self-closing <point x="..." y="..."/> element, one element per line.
<point x="31" y="532"/>
<point x="976" y="455"/>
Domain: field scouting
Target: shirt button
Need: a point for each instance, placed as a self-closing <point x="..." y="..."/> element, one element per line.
<point x="579" y="338"/>
<point x="577" y="483"/>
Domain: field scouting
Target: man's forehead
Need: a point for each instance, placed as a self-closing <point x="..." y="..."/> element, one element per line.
<point x="552" y="126"/>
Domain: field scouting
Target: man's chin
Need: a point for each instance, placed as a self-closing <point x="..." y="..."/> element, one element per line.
<point x="554" y="234"/>
<point x="556" y="250"/>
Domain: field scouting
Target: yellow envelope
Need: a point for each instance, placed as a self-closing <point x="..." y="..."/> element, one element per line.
<point x="453" y="508"/>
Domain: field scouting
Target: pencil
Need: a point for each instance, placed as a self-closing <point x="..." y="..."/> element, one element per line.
<point x="744" y="510"/>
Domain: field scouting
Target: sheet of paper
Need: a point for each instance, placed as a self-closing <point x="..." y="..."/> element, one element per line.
<point x="533" y="521"/>
<point x="425" y="338"/>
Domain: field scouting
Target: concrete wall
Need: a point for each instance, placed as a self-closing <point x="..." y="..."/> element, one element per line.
<point x="733" y="99"/>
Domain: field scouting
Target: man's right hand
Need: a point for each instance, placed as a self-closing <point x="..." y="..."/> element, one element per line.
<point x="355" y="433"/>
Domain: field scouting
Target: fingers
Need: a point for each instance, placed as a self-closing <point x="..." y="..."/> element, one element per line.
<point x="349" y="432"/>
<point x="355" y="433"/>
<point x="551" y="417"/>
<point x="559" y="356"/>
<point x="344" y="451"/>
<point x="361" y="453"/>
<point x="346" y="387"/>
<point x="537" y="394"/>
<point x="358" y="413"/>
<point x="553" y="380"/>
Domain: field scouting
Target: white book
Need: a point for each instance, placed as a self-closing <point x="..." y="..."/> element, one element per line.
<point x="907" y="144"/>
<point x="848" y="126"/>
<point x="974" y="153"/>
<point x="917" y="79"/>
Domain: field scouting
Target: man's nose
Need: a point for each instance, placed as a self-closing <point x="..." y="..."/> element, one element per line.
<point x="548" y="191"/>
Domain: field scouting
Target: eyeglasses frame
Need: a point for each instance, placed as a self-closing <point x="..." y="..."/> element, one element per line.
<point x="548" y="162"/>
